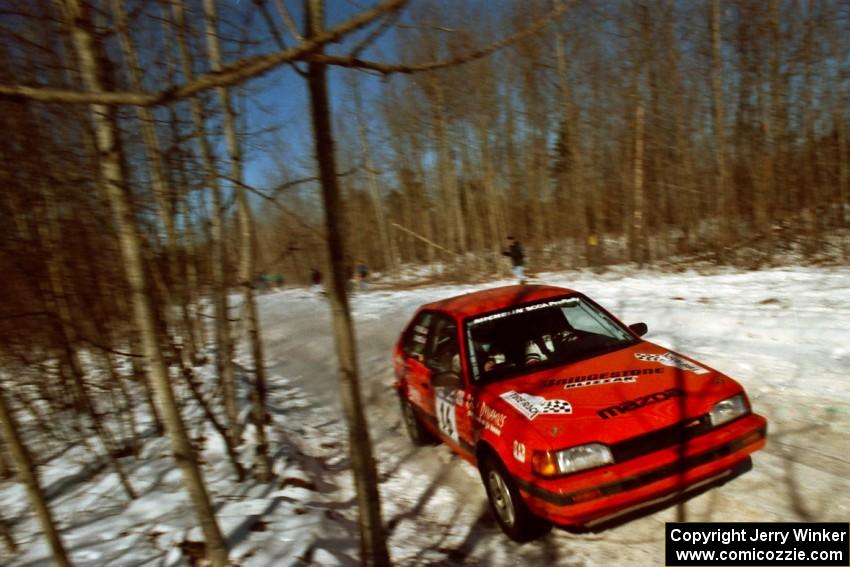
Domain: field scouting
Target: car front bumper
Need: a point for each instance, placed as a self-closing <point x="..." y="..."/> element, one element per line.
<point x="587" y="498"/>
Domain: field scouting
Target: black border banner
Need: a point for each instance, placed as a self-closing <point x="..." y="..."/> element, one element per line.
<point x="757" y="544"/>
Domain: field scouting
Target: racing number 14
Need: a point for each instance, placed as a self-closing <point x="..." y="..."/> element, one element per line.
<point x="445" y="406"/>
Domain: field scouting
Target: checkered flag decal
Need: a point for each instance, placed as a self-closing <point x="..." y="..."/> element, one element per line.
<point x="556" y="406"/>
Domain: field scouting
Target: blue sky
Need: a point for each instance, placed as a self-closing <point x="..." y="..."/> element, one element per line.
<point x="280" y="98"/>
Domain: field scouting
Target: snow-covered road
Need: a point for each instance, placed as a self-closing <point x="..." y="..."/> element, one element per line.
<point x="783" y="333"/>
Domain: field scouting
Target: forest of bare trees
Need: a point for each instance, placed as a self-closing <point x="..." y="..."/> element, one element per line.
<point x="597" y="132"/>
<point x="628" y="131"/>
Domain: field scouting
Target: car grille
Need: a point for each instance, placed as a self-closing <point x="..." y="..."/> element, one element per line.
<point x="675" y="434"/>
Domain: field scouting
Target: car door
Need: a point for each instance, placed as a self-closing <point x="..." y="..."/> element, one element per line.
<point x="442" y="359"/>
<point x="417" y="376"/>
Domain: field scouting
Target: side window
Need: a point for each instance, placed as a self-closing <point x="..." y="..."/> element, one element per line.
<point x="585" y="318"/>
<point x="443" y="349"/>
<point x="417" y="337"/>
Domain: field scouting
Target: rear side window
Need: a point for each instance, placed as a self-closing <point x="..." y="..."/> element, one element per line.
<point x="417" y="336"/>
<point x="443" y="349"/>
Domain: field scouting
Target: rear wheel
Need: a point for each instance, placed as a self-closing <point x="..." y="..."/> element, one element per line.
<point x="507" y="505"/>
<point x="415" y="430"/>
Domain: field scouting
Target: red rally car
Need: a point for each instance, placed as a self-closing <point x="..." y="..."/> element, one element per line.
<point x="571" y="417"/>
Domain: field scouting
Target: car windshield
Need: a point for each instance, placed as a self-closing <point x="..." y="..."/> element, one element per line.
<point x="534" y="336"/>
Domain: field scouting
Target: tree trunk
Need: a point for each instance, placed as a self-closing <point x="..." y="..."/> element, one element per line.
<point x="113" y="177"/>
<point x="573" y="177"/>
<point x="57" y="301"/>
<point x="162" y="191"/>
<point x="777" y="123"/>
<point x="638" y="236"/>
<point x="224" y="341"/>
<point x="29" y="477"/>
<point x="455" y="229"/>
<point x="386" y="244"/>
<point x="722" y="211"/>
<point x="373" y="547"/>
<point x="263" y="465"/>
<point x="811" y="198"/>
<point x="842" y="194"/>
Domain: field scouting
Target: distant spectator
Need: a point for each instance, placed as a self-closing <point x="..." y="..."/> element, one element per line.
<point x="517" y="256"/>
<point x="363" y="275"/>
<point x="265" y="281"/>
<point x="316" y="279"/>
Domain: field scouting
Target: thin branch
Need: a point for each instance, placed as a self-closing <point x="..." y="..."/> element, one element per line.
<point x="422" y="238"/>
<point x="278" y="38"/>
<point x="427" y="27"/>
<point x="272" y="199"/>
<point x="295" y="182"/>
<point x="25" y="315"/>
<point x="264" y="10"/>
<point x="391" y="68"/>
<point x="288" y="21"/>
<point x="389" y="20"/>
<point x="110" y="350"/>
<point x="230" y="74"/>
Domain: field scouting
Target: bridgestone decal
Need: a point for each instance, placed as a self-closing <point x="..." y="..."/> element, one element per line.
<point x="597" y="377"/>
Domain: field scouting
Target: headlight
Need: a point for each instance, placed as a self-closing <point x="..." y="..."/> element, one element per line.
<point x="728" y="409"/>
<point x="554" y="463"/>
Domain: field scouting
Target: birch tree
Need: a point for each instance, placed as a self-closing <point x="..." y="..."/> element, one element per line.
<point x="113" y="178"/>
<point x="224" y="341"/>
<point x="28" y="476"/>
<point x="263" y="466"/>
<point x="373" y="549"/>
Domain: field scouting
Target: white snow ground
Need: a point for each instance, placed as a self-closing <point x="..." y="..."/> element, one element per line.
<point x="783" y="333"/>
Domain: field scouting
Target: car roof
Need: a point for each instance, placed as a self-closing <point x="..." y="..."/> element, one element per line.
<point x="493" y="299"/>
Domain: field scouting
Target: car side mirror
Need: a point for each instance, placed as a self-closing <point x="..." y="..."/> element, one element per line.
<point x="448" y="380"/>
<point x="640" y="329"/>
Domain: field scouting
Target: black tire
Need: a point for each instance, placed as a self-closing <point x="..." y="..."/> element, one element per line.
<point x="417" y="432"/>
<point x="506" y="503"/>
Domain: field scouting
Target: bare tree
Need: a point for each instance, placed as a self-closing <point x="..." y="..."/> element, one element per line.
<point x="387" y="246"/>
<point x="29" y="478"/>
<point x="263" y="466"/>
<point x="163" y="193"/>
<point x="724" y="226"/>
<point x="115" y="186"/>
<point x="373" y="548"/>
<point x="224" y="340"/>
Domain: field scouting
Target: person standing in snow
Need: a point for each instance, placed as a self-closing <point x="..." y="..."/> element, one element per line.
<point x="316" y="280"/>
<point x="362" y="274"/>
<point x="517" y="256"/>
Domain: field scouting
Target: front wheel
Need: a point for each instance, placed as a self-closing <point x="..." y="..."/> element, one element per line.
<point x="513" y="516"/>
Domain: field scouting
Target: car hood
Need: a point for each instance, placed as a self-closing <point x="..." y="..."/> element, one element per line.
<point x="611" y="397"/>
